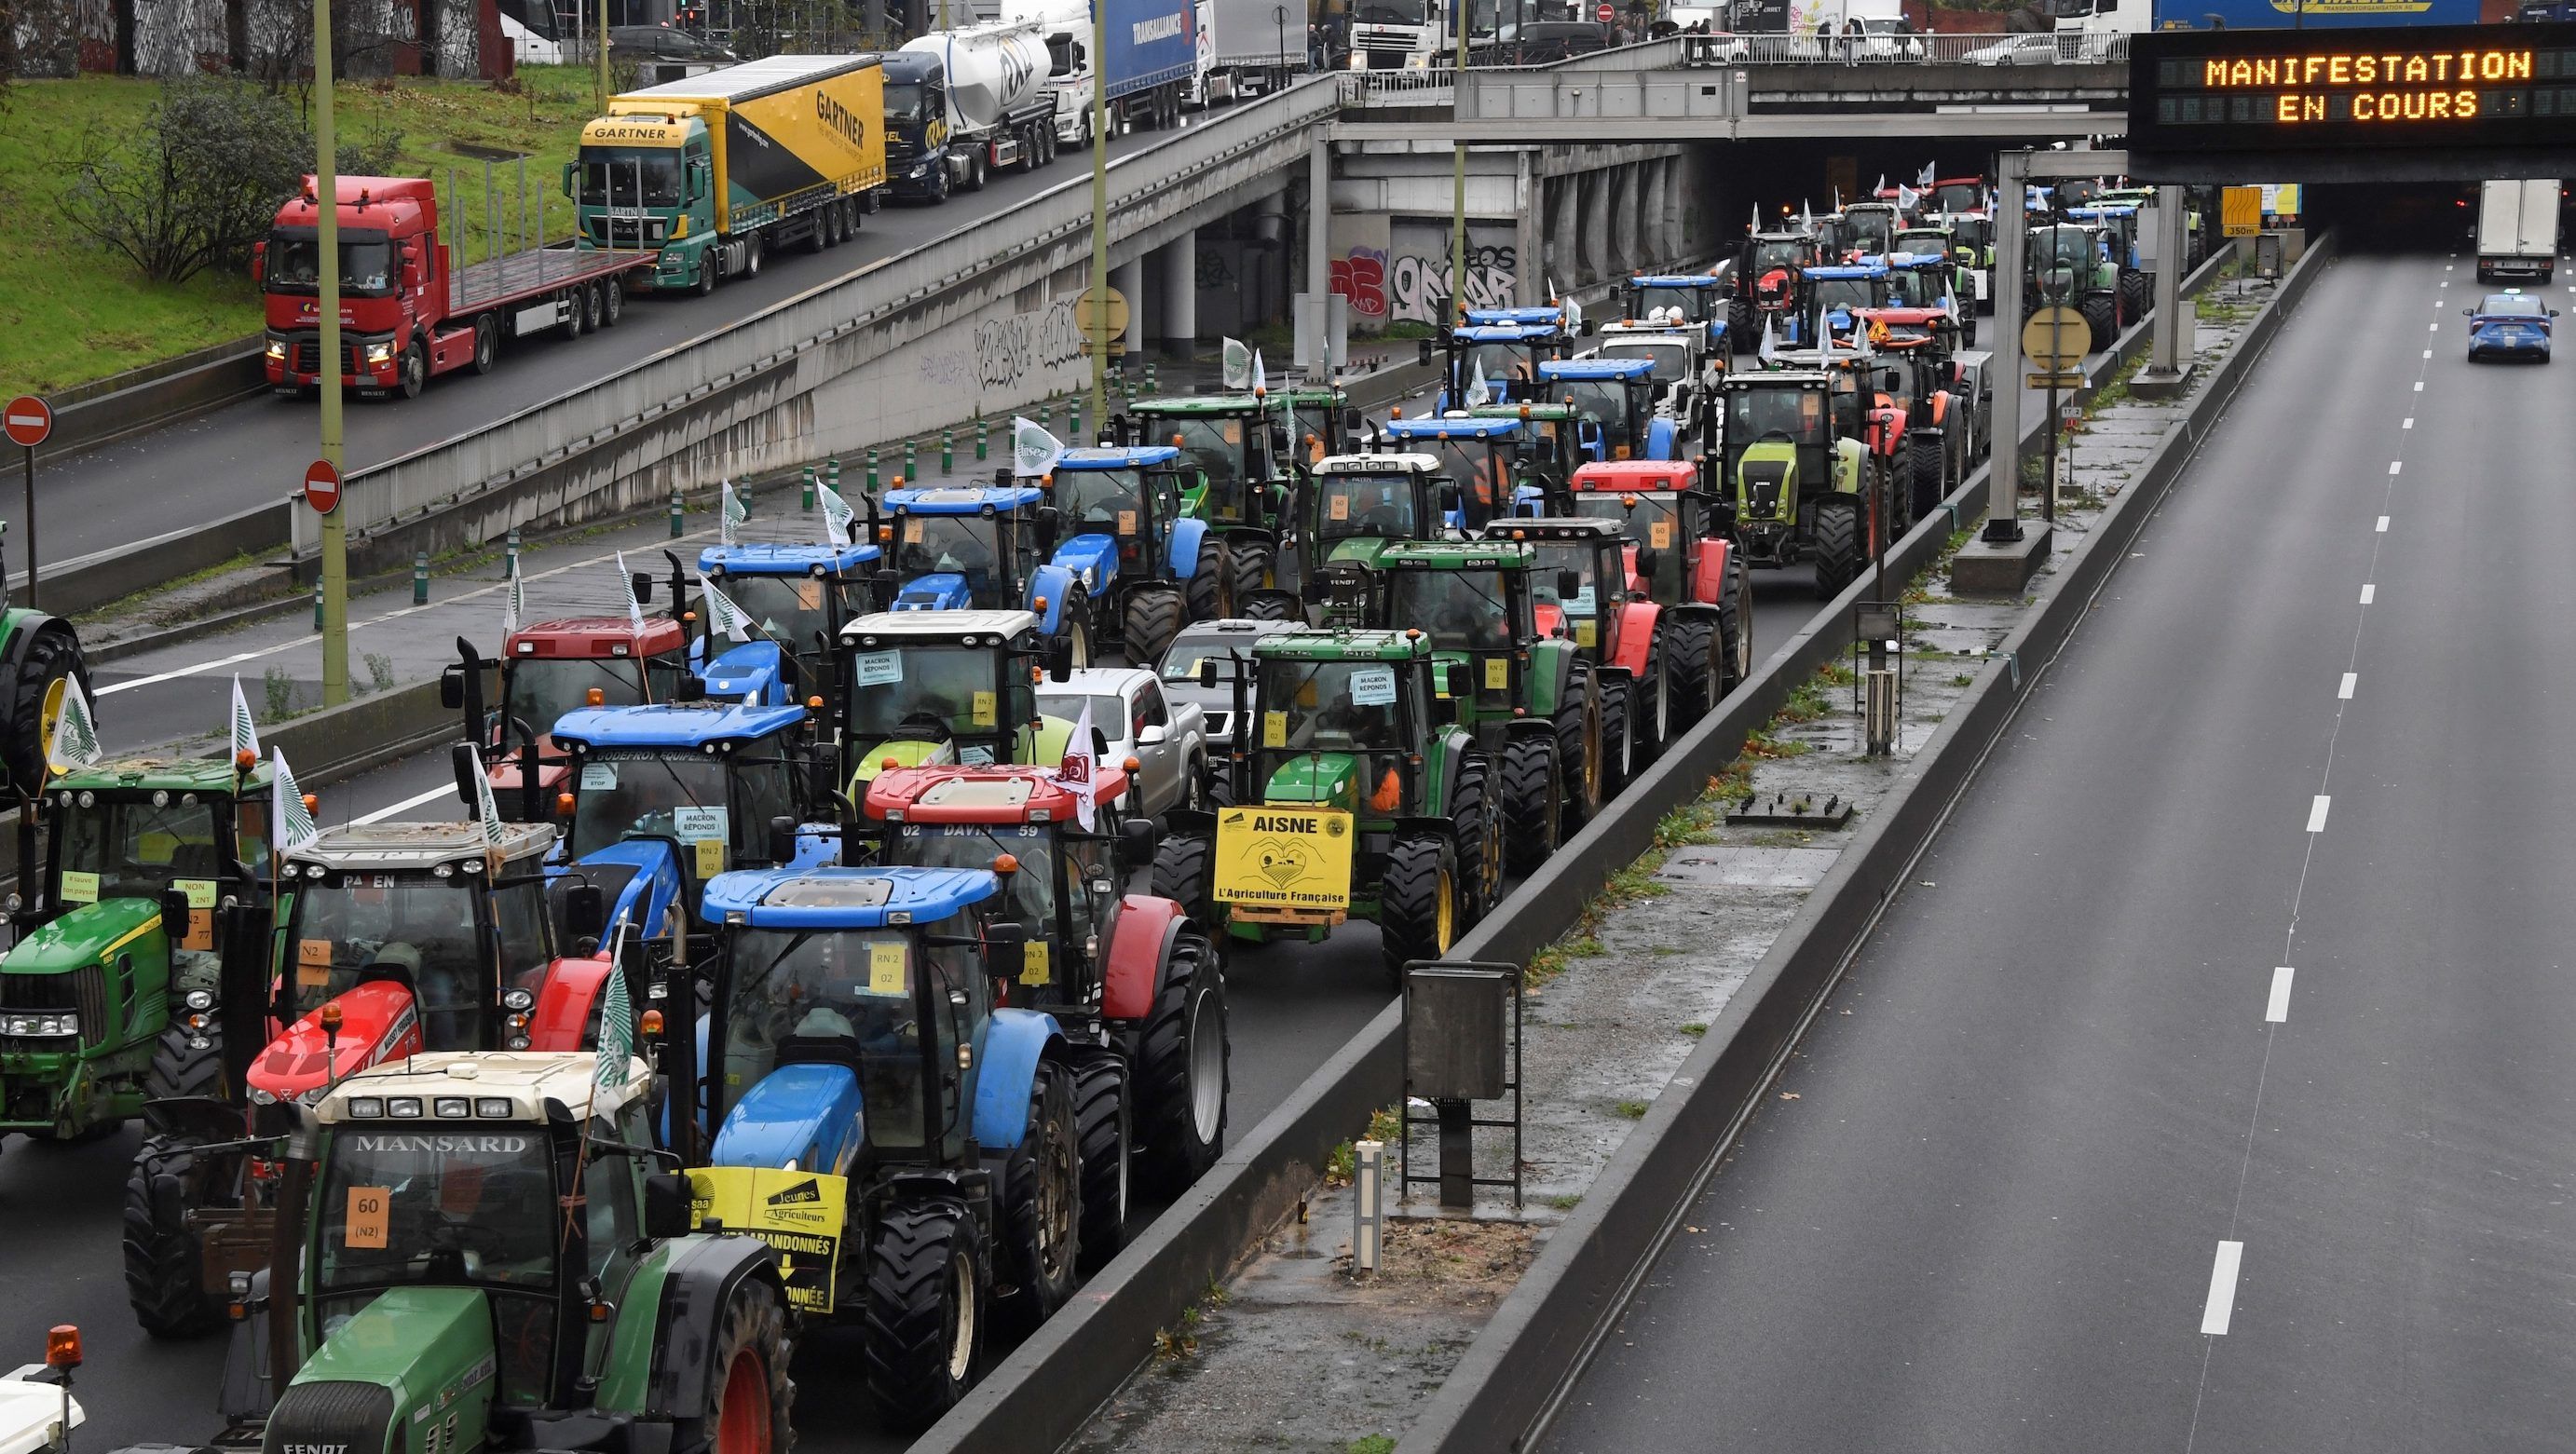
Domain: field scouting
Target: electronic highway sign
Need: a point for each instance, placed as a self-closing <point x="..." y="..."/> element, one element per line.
<point x="2425" y="102"/>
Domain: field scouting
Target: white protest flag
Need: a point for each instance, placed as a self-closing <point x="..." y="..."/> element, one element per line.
<point x="838" y="518"/>
<point x="733" y="513"/>
<point x="626" y="587"/>
<point x="1238" y="364"/>
<point x="286" y="810"/>
<point x="1033" y="450"/>
<point x="1075" y="773"/>
<point x="1260" y="377"/>
<point x="722" y="614"/>
<point x="245" y="727"/>
<point x="514" y="605"/>
<point x="75" y="738"/>
<point x="1479" y="392"/>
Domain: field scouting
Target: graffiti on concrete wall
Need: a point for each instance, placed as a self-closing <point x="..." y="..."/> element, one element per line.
<point x="1011" y="351"/>
<point x="1418" y="284"/>
<point x="1361" y="277"/>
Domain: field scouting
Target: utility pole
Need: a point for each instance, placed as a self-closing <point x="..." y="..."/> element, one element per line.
<point x="1100" y="214"/>
<point x="1458" y="161"/>
<point x="326" y="208"/>
<point x="600" y="107"/>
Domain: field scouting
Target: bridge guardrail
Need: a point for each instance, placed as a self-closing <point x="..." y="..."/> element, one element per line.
<point x="2058" y="48"/>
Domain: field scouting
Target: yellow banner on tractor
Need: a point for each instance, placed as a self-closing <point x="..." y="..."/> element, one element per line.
<point x="1284" y="858"/>
<point x="801" y="1213"/>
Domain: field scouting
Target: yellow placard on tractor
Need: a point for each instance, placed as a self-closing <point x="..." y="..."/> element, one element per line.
<point x="1284" y="858"/>
<point x="801" y="1213"/>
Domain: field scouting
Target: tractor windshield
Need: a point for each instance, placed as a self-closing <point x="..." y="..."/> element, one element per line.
<point x="1973" y="234"/>
<point x="1330" y="705"/>
<point x="1956" y="196"/>
<point x="969" y="545"/>
<point x="423" y="1204"/>
<point x="1464" y="610"/>
<point x="1696" y="305"/>
<point x="1029" y="893"/>
<point x="2065" y="247"/>
<point x="125" y="848"/>
<point x="412" y="928"/>
<point x="1917" y="288"/>
<point x="1216" y="446"/>
<point x="1654" y="527"/>
<point x="1869" y="231"/>
<point x="790" y="610"/>
<point x="938" y="689"/>
<point x="1503" y="364"/>
<point x="1753" y="413"/>
<point x="1671" y="357"/>
<point x="1603" y="403"/>
<point x="837" y="995"/>
<point x="541" y="690"/>
<point x="1787" y="252"/>
<point x="1839" y="294"/>
<point x="717" y="807"/>
<point x="1483" y="467"/>
<point x="1376" y="505"/>
<point x="1101" y="501"/>
<point x="1581" y="611"/>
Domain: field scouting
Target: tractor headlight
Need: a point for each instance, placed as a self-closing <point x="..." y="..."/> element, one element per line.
<point x="518" y="1000"/>
<point x="403" y="1108"/>
<point x="518" y="1042"/>
<point x="452" y="1108"/>
<point x="366" y="1108"/>
<point x="201" y="1000"/>
<point x="493" y="1108"/>
<point x="260" y="1097"/>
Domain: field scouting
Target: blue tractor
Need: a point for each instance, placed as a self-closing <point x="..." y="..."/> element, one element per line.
<point x="979" y="547"/>
<point x="1840" y="290"/>
<point x="1613" y="400"/>
<point x="855" y="1064"/>
<point x="1505" y="353"/>
<point x="1683" y="298"/>
<point x="798" y="597"/>
<point x="1142" y="565"/>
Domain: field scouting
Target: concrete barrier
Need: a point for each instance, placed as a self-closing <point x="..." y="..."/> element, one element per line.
<point x="105" y="410"/>
<point x="1520" y="1366"/>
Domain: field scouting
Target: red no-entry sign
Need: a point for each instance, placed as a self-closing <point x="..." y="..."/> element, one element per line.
<point x="27" y="421"/>
<point x="322" y="487"/>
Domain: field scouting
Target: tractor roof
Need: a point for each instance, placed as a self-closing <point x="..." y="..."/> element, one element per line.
<point x="786" y="560"/>
<point x="1395" y="462"/>
<point x="999" y="794"/>
<point x="1635" y="474"/>
<point x="1833" y="272"/>
<point x="1552" y="314"/>
<point x="1806" y="373"/>
<point x="1343" y="645"/>
<point x="1590" y="369"/>
<point x="1677" y="280"/>
<point x="596" y="637"/>
<point x="1540" y="409"/>
<point x="1452" y="427"/>
<point x="1505" y="332"/>
<point x="1455" y="555"/>
<point x="970" y="627"/>
<point x="409" y="1095"/>
<point x="689" y="725"/>
<point x="210" y="775"/>
<point x="1558" y="527"/>
<point x="1204" y="406"/>
<point x="844" y="898"/>
<point x="1125" y="457"/>
<point x="361" y="847"/>
<point x="963" y="499"/>
<point x="1917" y="259"/>
<point x="1791" y="235"/>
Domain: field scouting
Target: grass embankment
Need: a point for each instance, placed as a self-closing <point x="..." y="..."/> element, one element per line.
<point x="73" y="311"/>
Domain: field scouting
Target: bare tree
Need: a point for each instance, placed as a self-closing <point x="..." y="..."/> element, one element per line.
<point x="199" y="184"/>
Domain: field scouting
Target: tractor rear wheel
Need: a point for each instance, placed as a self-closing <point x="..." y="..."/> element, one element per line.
<point x="1694" y="668"/>
<point x="1932" y="480"/>
<point x="1248" y="567"/>
<point x="925" y="1303"/>
<point x="1102" y="1136"/>
<point x="181" y="1068"/>
<point x="51" y="659"/>
<point x="1532" y="803"/>
<point x="1578" y="738"/>
<point x="1076" y="622"/>
<point x="1417" y="915"/>
<point x="1152" y="618"/>
<point x="1479" y="831"/>
<point x="1039" y="1220"/>
<point x="1654" y="693"/>
<point x="1180" y="873"/>
<point x="750" y="1395"/>
<point x="164" y="1279"/>
<point x="2137" y="293"/>
<point x="1837" y="539"/>
<point x="1205" y="589"/>
<point x="1616" y="767"/>
<point x="1740" y="338"/>
<point x="1182" y="1070"/>
<point x="2101" y="315"/>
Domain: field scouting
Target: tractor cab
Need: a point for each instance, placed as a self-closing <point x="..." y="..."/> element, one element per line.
<point x="1137" y="564"/>
<point x="1927" y="236"/>
<point x="1548" y="450"/>
<point x="551" y="668"/>
<point x="1503" y="356"/>
<point x="1614" y="403"/>
<point x="1686" y="368"/>
<point x="1925" y="279"/>
<point x="1867" y="229"/>
<point x="1844" y="288"/>
<point x="1474" y="601"/>
<point x="795" y="599"/>
<point x="1767" y="286"/>
<point x="1479" y="459"/>
<point x="1321" y="422"/>
<point x="980" y="547"/>
<point x="2066" y="262"/>
<point x="1580" y="578"/>
<point x="945" y="686"/>
<point x="1684" y="299"/>
<point x="661" y="799"/>
<point x="1792" y="436"/>
<point x="1361" y="503"/>
<point x="1950" y="195"/>
<point x="1659" y="509"/>
<point x="2118" y="221"/>
<point x="1238" y="444"/>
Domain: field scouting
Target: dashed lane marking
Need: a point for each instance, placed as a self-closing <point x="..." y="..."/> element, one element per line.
<point x="2317" y="813"/>
<point x="2222" y="1289"/>
<point x="2350" y="680"/>
<point x="2369" y="593"/>
<point x="2383" y="525"/>
<point x="2276" y="1010"/>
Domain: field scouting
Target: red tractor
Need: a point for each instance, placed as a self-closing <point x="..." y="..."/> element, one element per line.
<point x="1129" y="974"/>
<point x="1696" y="643"/>
<point x="1916" y="373"/>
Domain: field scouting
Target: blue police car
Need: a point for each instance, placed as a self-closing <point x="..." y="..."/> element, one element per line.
<point x="2510" y="324"/>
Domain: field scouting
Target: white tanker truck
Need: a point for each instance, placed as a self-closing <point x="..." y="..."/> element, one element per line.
<point x="962" y="104"/>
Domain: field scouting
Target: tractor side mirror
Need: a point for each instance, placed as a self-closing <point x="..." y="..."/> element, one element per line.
<point x="1006" y="950"/>
<point x="1351" y="421"/>
<point x="1135" y="843"/>
<point x="1207" y="671"/>
<point x="1424" y="352"/>
<point x="666" y="1205"/>
<point x="469" y="772"/>
<point x="1050" y="521"/>
<point x="451" y="688"/>
<point x="174" y="914"/>
<point x="1462" y="685"/>
<point x="586" y="912"/>
<point x="1279" y="443"/>
<point x="1569" y="584"/>
<point x="782" y="839"/>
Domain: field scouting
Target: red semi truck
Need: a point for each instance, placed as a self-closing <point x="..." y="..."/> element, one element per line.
<point x="406" y="313"/>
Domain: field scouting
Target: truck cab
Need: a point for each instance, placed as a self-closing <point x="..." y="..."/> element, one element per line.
<point x="393" y="287"/>
<point x="650" y="181"/>
<point x="918" y="166"/>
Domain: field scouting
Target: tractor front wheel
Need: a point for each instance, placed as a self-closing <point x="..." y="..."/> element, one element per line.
<point x="181" y="1067"/>
<point x="35" y="698"/>
<point x="1417" y="904"/>
<point x="1249" y="564"/>
<point x="1040" y="1218"/>
<point x="2101" y="315"/>
<point x="925" y="1311"/>
<point x="1102" y="1135"/>
<point x="1204" y="591"/>
<point x="1532" y="803"/>
<point x="1183" y="1070"/>
<point x="753" y="1396"/>
<point x="1616" y="768"/>
<point x="1181" y="874"/>
<point x="164" y="1280"/>
<point x="1837" y="540"/>
<point x="1695" y="667"/>
<point x="1578" y="742"/>
<point x="1075" y="625"/>
<point x="1655" y="695"/>
<point x="1152" y="618"/>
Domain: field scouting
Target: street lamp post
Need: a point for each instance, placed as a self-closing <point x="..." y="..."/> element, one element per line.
<point x="326" y="209"/>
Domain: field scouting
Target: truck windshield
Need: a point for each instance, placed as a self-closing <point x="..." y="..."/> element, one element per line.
<point x="939" y="687"/>
<point x="718" y="809"/>
<point x="612" y="176"/>
<point x="831" y="988"/>
<point x="1463" y="610"/>
<point x="366" y="266"/>
<point x="543" y="689"/>
<point x="409" y="927"/>
<point x="1391" y="12"/>
<point x="124" y="848"/>
<point x="1380" y="505"/>
<point x="903" y="101"/>
<point x="428" y="1205"/>
<point x="1753" y="413"/>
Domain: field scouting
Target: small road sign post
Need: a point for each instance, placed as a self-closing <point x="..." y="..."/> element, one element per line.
<point x="28" y="421"/>
<point x="2050" y="340"/>
<point x="322" y="487"/>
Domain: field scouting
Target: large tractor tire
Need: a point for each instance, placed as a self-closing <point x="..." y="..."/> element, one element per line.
<point x="1654" y="693"/>
<point x="2101" y="315"/>
<point x="1532" y="794"/>
<point x="1039" y="1221"/>
<point x="1694" y="667"/>
<point x="1478" y="827"/>
<point x="925" y="1324"/>
<point x="1741" y="337"/>
<point x="1616" y="766"/>
<point x="1931" y="458"/>
<point x="163" y="1273"/>
<point x="1735" y="630"/>
<point x="750" y="1398"/>
<point x="2137" y="294"/>
<point x="1897" y="470"/>
<point x="1204" y="592"/>
<point x="182" y="1069"/>
<point x="1249" y="564"/>
<point x="1182" y="872"/>
<point x="1417" y="904"/>
<point x="1578" y="755"/>
<point x="1102" y="1135"/>
<point x="1152" y="618"/>
<point x="1182" y="1071"/>
<point x="1837" y="540"/>
<point x="52" y="658"/>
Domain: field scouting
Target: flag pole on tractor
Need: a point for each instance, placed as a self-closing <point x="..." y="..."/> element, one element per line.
<point x="326" y="212"/>
<point x="1458" y="198"/>
<point x="1099" y="218"/>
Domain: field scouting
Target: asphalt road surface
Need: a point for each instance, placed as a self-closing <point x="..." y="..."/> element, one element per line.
<point x="2075" y="1161"/>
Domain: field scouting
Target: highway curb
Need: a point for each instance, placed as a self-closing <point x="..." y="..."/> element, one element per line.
<point x="1047" y="1389"/>
<point x="1538" y="1341"/>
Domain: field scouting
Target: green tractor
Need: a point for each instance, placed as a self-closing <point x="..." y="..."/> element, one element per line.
<point x="1246" y="471"/>
<point x="1361" y="797"/>
<point x="1531" y="699"/>
<point x="2070" y="266"/>
<point x="1549" y="453"/>
<point x="104" y="1007"/>
<point x="444" y="1302"/>
<point x="1797" y="464"/>
<point x="1356" y="506"/>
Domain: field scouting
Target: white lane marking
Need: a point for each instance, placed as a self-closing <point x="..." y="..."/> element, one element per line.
<point x="2277" y="1009"/>
<point x="2446" y="282"/>
<point x="407" y="804"/>
<point x="2409" y="424"/>
<point x="2368" y="593"/>
<point x="2419" y="383"/>
<point x="2317" y="813"/>
<point x="2428" y="353"/>
<point x="2222" y="1289"/>
<point x="2383" y="525"/>
<point x="2434" y="328"/>
<point x="2395" y="465"/>
<point x="2351" y="679"/>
